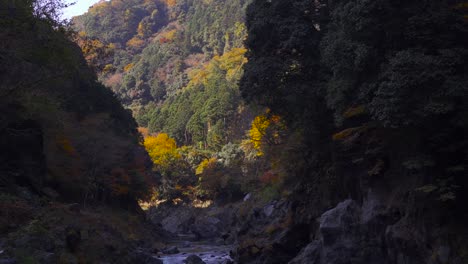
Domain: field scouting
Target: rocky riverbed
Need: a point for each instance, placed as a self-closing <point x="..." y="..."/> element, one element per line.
<point x="208" y="253"/>
<point x="198" y="235"/>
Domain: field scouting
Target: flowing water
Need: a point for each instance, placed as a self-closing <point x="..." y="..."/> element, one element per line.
<point x="208" y="251"/>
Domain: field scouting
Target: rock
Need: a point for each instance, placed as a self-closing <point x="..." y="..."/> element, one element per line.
<point x="228" y="239"/>
<point x="373" y="210"/>
<point x="139" y="256"/>
<point x="247" y="197"/>
<point x="74" y="207"/>
<point x="68" y="258"/>
<point x="154" y="260"/>
<point x="25" y="193"/>
<point x="268" y="210"/>
<point x="22" y="241"/>
<point x="194" y="259"/>
<point x="207" y="227"/>
<point x="225" y="236"/>
<point x="350" y="233"/>
<point x="156" y="247"/>
<point x="308" y="255"/>
<point x="186" y="244"/>
<point x="173" y="223"/>
<point x="338" y="221"/>
<point x="219" y="241"/>
<point x="8" y="261"/>
<point x="45" y="258"/>
<point x="173" y="219"/>
<point x="51" y="193"/>
<point x="73" y="237"/>
<point x="443" y="254"/>
<point x="401" y="242"/>
<point x="171" y="250"/>
<point x="33" y="240"/>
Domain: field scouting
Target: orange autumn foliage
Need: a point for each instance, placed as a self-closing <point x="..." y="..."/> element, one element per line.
<point x="170" y="3"/>
<point x="135" y="43"/>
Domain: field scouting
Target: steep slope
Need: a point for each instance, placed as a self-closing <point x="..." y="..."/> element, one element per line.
<point x="375" y="94"/>
<point x="176" y="65"/>
<point x="48" y="87"/>
<point x="64" y="139"/>
<point x="157" y="47"/>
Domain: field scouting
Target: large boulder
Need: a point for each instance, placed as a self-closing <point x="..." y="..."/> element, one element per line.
<point x="342" y="238"/>
<point x="270" y="233"/>
<point x="367" y="234"/>
<point x="403" y="244"/>
<point x="216" y="222"/>
<point x="212" y="222"/>
<point x="207" y="227"/>
<point x="173" y="219"/>
<point x="140" y="256"/>
<point x="339" y="222"/>
<point x="171" y="250"/>
<point x="308" y="255"/>
<point x="194" y="259"/>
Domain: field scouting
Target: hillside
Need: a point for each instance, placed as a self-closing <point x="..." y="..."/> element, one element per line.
<point x="155" y="51"/>
<point x="72" y="165"/>
<point x="176" y="65"/>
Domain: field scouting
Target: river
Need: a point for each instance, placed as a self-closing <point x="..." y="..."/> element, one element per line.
<point x="208" y="251"/>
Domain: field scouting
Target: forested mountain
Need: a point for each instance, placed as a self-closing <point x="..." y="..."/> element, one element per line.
<point x="159" y="50"/>
<point x="176" y="65"/>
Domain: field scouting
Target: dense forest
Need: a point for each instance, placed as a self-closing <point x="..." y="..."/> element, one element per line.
<point x="375" y="96"/>
<point x="177" y="65"/>
<point x="71" y="158"/>
<point x="159" y="55"/>
<point x="249" y="131"/>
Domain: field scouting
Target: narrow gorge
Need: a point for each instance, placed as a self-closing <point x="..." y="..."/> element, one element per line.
<point x="234" y="131"/>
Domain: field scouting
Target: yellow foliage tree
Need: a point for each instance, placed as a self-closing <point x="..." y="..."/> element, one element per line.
<point x="231" y="63"/>
<point x="204" y="164"/>
<point x="266" y="129"/>
<point x="161" y="149"/>
<point x="169" y="161"/>
<point x="258" y="130"/>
